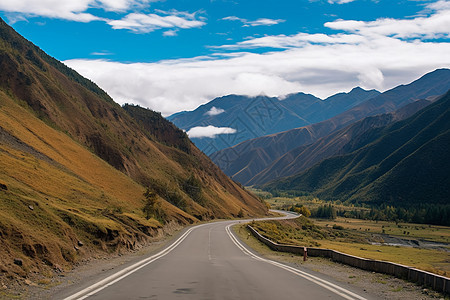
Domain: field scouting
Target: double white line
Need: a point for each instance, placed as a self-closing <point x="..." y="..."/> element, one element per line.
<point x="323" y="283"/>
<point x="97" y="287"/>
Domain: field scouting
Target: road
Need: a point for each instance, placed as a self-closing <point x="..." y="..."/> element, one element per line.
<point x="209" y="262"/>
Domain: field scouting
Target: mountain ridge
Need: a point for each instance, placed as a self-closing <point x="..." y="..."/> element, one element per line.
<point x="234" y="161"/>
<point x="403" y="164"/>
<point x="336" y="143"/>
<point x="82" y="176"/>
<point x="261" y="115"/>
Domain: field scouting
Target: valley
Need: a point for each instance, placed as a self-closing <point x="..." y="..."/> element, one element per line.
<point x="133" y="161"/>
<point x="82" y="177"/>
<point x="365" y="239"/>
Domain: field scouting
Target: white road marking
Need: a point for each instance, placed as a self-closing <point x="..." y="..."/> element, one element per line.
<point x="102" y="284"/>
<point x="112" y="279"/>
<point x="209" y="244"/>
<point x="323" y="283"/>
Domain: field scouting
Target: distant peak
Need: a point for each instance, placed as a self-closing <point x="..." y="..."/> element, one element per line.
<point x="357" y="89"/>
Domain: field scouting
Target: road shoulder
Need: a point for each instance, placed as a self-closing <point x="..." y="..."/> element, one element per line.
<point x="381" y="286"/>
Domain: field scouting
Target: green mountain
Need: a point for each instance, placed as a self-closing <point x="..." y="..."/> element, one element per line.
<point x="81" y="175"/>
<point x="253" y="117"/>
<point x="339" y="142"/>
<point x="244" y="161"/>
<point x="404" y="164"/>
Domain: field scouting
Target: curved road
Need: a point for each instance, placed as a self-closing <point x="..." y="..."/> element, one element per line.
<point x="209" y="262"/>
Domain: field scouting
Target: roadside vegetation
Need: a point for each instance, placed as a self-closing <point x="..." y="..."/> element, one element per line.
<point x="328" y="228"/>
<point x="382" y="285"/>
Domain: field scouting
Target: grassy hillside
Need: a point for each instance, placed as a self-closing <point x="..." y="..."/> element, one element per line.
<point x="263" y="115"/>
<point x="244" y="161"/>
<point x="75" y="167"/>
<point x="406" y="164"/>
<point x="339" y="142"/>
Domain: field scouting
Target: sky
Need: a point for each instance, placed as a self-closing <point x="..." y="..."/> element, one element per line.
<point x="172" y="55"/>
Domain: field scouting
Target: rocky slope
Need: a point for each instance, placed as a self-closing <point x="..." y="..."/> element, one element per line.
<point x="253" y="117"/>
<point x="336" y="143"/>
<point x="80" y="175"/>
<point x="245" y="160"/>
<point x="404" y="164"/>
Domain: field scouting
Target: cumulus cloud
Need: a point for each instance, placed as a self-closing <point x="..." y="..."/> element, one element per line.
<point x="171" y="86"/>
<point x="75" y="10"/>
<point x="68" y="10"/>
<point x="435" y="26"/>
<point x="295" y="41"/>
<point x="214" y="111"/>
<point x="144" y="23"/>
<point x="380" y="54"/>
<point x="339" y="1"/>
<point x="209" y="131"/>
<point x="170" y="33"/>
<point x="258" y="22"/>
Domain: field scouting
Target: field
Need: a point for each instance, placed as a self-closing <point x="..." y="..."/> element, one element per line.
<point x="381" y="285"/>
<point x="433" y="233"/>
<point x="355" y="237"/>
<point x="427" y="232"/>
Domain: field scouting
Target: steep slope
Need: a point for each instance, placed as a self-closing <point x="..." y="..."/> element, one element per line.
<point x="258" y="116"/>
<point x="265" y="150"/>
<point x="75" y="166"/>
<point x="406" y="164"/>
<point x="339" y="142"/>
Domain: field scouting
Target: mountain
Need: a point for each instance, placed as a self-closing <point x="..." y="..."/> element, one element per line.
<point x="403" y="164"/>
<point x="81" y="175"/>
<point x="337" y="143"/>
<point x="245" y="160"/>
<point x="253" y="117"/>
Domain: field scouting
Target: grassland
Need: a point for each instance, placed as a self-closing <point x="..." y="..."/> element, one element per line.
<point x="381" y="285"/>
<point x="355" y="237"/>
<point x="435" y="233"/>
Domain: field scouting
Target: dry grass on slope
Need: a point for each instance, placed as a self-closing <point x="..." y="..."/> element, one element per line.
<point x="56" y="193"/>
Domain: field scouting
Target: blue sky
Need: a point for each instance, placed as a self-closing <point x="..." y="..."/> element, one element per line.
<point x="175" y="55"/>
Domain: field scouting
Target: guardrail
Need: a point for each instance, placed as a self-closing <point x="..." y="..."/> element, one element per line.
<point x="434" y="281"/>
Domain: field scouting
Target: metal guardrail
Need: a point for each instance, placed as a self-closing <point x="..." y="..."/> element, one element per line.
<point x="434" y="281"/>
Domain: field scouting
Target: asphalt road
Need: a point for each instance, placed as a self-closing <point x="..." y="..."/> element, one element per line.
<point x="208" y="262"/>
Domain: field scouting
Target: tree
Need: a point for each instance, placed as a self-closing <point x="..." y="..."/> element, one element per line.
<point x="151" y="200"/>
<point x="304" y="211"/>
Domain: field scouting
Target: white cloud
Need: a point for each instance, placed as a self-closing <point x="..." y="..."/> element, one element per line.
<point x="209" y="131"/>
<point x="258" y="22"/>
<point x="102" y="53"/>
<point x="144" y="23"/>
<point x="74" y="10"/>
<point x="170" y="33"/>
<point x="264" y="22"/>
<point x="380" y="54"/>
<point x="434" y="26"/>
<point x="340" y="1"/>
<point x="214" y="111"/>
<point x="295" y="41"/>
<point x="439" y="5"/>
<point x="171" y="86"/>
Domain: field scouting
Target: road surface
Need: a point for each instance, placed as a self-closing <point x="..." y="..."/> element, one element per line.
<point x="209" y="262"/>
